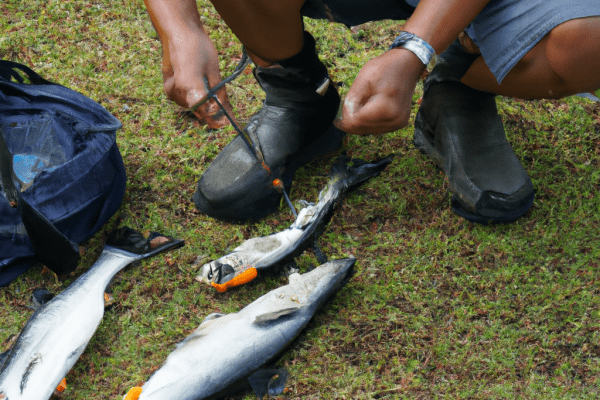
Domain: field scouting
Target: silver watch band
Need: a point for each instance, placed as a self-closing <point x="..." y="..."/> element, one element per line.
<point x="416" y="45"/>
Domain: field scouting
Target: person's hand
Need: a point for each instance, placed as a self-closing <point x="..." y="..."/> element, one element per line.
<point x="380" y="98"/>
<point x="186" y="61"/>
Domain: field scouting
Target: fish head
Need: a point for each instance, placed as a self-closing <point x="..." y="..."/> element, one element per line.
<point x="222" y="270"/>
<point x="206" y="273"/>
<point x="215" y="271"/>
<point x="322" y="281"/>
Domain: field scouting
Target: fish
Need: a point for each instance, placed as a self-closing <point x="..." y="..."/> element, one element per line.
<point x="263" y="253"/>
<point x="58" y="332"/>
<point x="229" y="351"/>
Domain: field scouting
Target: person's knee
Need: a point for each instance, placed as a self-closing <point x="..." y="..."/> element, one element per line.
<point x="534" y="77"/>
<point x="561" y="47"/>
<point x="566" y="36"/>
<point x="571" y="49"/>
<point x="563" y="63"/>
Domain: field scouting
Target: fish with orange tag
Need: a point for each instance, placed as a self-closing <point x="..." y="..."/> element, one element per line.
<point x="266" y="252"/>
<point x="230" y="352"/>
<point x="58" y="332"/>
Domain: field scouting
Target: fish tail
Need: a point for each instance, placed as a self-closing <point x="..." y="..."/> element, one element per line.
<point x="134" y="242"/>
<point x="133" y="394"/>
<point x="243" y="278"/>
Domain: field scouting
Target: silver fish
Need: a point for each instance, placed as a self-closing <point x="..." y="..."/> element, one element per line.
<point x="265" y="252"/>
<point x="57" y="333"/>
<point x="226" y="350"/>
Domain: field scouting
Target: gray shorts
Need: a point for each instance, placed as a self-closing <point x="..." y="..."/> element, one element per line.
<point x="507" y="29"/>
<point x="504" y="31"/>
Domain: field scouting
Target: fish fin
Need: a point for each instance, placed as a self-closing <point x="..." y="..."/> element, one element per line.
<point x="355" y="171"/>
<point x="3" y="356"/>
<point x="321" y="258"/>
<point x="271" y="316"/>
<point x="305" y="203"/>
<point x="241" y="279"/>
<point x="271" y="381"/>
<point x="198" y="333"/>
<point x="39" y="297"/>
<point x="62" y="385"/>
<point x="134" y="242"/>
<point x="133" y="394"/>
<point x="212" y="316"/>
<point x="294" y="278"/>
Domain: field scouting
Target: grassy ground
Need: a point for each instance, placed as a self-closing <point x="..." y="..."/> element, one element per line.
<point x="440" y="308"/>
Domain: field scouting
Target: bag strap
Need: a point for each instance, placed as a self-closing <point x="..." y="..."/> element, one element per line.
<point x="50" y="246"/>
<point x="7" y="71"/>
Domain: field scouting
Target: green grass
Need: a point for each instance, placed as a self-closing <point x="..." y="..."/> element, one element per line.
<point x="440" y="308"/>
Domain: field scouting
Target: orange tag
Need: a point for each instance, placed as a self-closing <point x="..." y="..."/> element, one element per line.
<point x="62" y="385"/>
<point x="133" y="394"/>
<point x="245" y="277"/>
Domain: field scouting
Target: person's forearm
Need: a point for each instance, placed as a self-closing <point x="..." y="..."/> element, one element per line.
<point x="439" y="22"/>
<point x="172" y="18"/>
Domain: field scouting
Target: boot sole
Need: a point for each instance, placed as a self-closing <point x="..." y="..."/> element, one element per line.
<point x="483" y="220"/>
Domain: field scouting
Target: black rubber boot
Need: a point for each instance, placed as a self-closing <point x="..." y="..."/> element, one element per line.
<point x="293" y="128"/>
<point x="460" y="129"/>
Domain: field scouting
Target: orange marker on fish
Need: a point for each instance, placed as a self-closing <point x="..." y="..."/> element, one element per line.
<point x="241" y="279"/>
<point x="62" y="386"/>
<point x="133" y="394"/>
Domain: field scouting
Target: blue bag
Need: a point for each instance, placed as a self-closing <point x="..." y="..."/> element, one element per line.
<point x="61" y="173"/>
